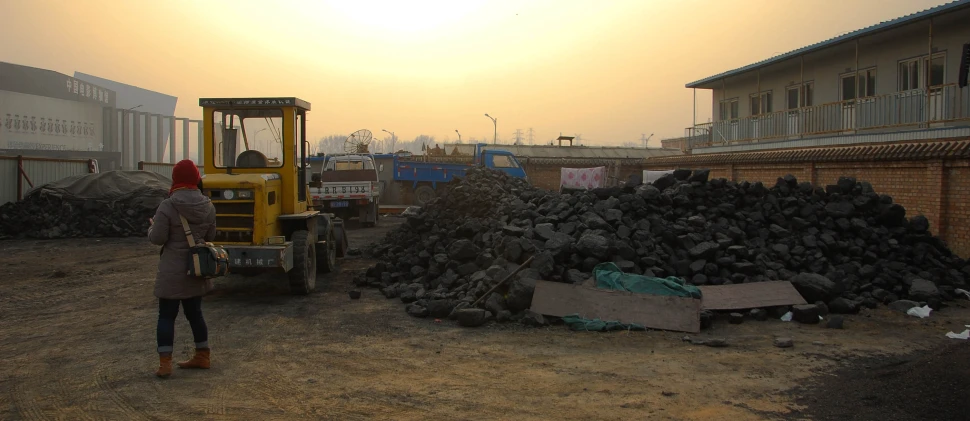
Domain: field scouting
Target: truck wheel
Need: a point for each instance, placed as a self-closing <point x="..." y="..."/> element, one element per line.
<point x="303" y="275"/>
<point x="371" y="208"/>
<point x="327" y="256"/>
<point x="340" y="238"/>
<point x="423" y="195"/>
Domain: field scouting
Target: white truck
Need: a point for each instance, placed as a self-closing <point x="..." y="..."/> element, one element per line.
<point x="347" y="186"/>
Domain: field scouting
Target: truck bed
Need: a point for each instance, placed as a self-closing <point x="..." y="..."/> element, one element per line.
<point x="429" y="171"/>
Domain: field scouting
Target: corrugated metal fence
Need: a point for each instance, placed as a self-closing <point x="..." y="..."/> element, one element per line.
<point x="20" y="174"/>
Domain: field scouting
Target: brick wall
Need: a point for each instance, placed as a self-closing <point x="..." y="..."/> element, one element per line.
<point x="929" y="181"/>
<point x="956" y="206"/>
<point x="544" y="175"/>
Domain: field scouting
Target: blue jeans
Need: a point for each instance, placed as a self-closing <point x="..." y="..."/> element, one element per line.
<point x="168" y="310"/>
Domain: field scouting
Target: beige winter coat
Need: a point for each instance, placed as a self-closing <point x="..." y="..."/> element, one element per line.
<point x="172" y="281"/>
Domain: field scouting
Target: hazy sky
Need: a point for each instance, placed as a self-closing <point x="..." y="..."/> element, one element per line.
<point x="610" y="70"/>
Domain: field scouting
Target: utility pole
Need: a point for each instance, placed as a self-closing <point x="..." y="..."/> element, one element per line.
<point x="518" y="136"/>
<point x="531" y="134"/>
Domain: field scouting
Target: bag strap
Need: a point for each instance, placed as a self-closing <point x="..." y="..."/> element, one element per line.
<point x="188" y="231"/>
<point x="188" y="237"/>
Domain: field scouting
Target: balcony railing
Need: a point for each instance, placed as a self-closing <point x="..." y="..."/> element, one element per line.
<point x="918" y="107"/>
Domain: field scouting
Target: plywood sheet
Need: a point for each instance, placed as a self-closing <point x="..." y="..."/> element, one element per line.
<point x="653" y="311"/>
<point x="752" y="295"/>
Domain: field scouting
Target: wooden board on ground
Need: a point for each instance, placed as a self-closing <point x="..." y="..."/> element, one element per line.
<point x="752" y="295"/>
<point x="653" y="311"/>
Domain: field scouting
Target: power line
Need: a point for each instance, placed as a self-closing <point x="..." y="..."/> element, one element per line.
<point x="518" y="136"/>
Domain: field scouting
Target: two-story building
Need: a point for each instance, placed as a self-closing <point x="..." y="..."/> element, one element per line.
<point x="903" y="79"/>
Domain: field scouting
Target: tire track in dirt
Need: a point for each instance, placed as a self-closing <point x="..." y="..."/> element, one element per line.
<point x="237" y="314"/>
<point x="280" y="390"/>
<point x="61" y="391"/>
<point x="26" y="401"/>
<point x="128" y="410"/>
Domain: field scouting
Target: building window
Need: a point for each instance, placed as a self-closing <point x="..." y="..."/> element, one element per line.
<point x="761" y="103"/>
<point x="866" y="86"/>
<point x="729" y="109"/>
<point x="800" y="96"/>
<point x="912" y="75"/>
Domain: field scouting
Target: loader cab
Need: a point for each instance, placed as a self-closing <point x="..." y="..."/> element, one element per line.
<point x="259" y="136"/>
<point x="256" y="174"/>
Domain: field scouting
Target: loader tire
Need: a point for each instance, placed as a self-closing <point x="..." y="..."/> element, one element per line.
<point x="303" y="275"/>
<point x="327" y="256"/>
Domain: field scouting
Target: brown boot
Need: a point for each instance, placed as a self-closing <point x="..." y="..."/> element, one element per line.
<point x="199" y="360"/>
<point x="164" y="365"/>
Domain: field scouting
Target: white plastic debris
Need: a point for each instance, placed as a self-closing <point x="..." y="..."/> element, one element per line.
<point x="786" y="317"/>
<point x="921" y="312"/>
<point x="964" y="335"/>
<point x="962" y="291"/>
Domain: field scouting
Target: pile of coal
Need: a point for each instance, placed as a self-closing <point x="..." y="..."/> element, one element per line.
<point x="48" y="216"/>
<point x="113" y="204"/>
<point x="843" y="246"/>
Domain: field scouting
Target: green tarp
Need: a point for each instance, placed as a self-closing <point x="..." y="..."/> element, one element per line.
<point x="609" y="276"/>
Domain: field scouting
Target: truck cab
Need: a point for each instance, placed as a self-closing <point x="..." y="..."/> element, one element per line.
<point x="501" y="160"/>
<point x="348" y="185"/>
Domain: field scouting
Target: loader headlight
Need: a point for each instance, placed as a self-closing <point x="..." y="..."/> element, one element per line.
<point x="245" y="194"/>
<point x="228" y="194"/>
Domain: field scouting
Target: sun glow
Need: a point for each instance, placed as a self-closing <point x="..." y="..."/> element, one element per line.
<point x="397" y="18"/>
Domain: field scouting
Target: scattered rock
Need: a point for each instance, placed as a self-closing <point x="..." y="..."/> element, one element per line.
<point x="471" y="317"/>
<point x="416" y="310"/>
<point x="736" y="318"/>
<point x="784" y="342"/>
<point x="835" y="322"/>
<point x="805" y="313"/>
<point x="815" y="287"/>
<point x="531" y="318"/>
<point x="903" y="306"/>
<point x="759" y="314"/>
<point x="842" y="305"/>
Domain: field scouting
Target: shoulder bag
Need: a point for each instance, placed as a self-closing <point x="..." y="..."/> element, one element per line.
<point x="206" y="260"/>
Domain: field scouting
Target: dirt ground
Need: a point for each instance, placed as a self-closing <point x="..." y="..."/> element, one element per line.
<point x="77" y="326"/>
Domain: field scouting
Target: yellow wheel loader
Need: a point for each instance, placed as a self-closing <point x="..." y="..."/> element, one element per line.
<point x="256" y="168"/>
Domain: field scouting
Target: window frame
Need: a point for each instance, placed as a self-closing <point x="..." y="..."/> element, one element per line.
<point x="802" y="89"/>
<point x="217" y="146"/>
<point x="923" y="64"/>
<point x="734" y="111"/>
<point x="862" y="90"/>
<point x="763" y="97"/>
<point x="511" y="162"/>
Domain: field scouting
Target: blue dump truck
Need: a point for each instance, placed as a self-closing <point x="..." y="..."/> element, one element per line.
<point x="420" y="178"/>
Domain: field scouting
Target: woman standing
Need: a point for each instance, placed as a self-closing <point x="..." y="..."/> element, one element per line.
<point x="173" y="285"/>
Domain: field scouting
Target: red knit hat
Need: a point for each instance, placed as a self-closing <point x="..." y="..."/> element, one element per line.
<point x="185" y="175"/>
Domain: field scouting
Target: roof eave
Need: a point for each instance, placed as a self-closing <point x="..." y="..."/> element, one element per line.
<point x="707" y="83"/>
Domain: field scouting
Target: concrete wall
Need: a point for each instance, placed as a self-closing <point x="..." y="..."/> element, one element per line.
<point x="883" y="51"/>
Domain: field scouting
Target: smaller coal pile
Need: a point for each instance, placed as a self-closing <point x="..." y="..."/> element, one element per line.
<point x="109" y="204"/>
<point x="845" y="245"/>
